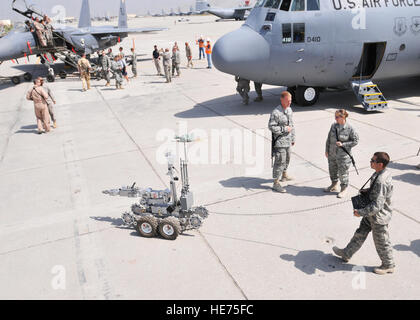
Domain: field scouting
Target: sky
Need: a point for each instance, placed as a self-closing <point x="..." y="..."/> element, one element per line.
<point x="101" y="7"/>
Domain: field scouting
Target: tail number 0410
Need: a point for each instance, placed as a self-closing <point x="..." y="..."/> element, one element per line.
<point x="313" y="39"/>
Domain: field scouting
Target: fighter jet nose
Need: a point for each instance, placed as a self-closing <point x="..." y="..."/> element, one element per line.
<point x="243" y="52"/>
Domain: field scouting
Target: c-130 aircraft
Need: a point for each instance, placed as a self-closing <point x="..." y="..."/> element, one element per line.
<point x="311" y="45"/>
<point x="69" y="42"/>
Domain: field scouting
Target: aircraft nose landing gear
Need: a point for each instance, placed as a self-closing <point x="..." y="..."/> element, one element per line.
<point x="306" y="96"/>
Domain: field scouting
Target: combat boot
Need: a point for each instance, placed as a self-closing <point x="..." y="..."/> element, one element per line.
<point x="332" y="188"/>
<point x="418" y="167"/>
<point x="258" y="99"/>
<point x="107" y="84"/>
<point x="278" y="188"/>
<point x="55" y="124"/>
<point x="286" y="177"/>
<point x="340" y="252"/>
<point x="383" y="270"/>
<point x="343" y="193"/>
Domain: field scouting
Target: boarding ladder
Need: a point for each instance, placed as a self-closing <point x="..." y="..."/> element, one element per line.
<point x="369" y="95"/>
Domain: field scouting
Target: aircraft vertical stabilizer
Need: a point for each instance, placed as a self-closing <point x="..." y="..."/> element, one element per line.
<point x="85" y="20"/>
<point x="122" y="21"/>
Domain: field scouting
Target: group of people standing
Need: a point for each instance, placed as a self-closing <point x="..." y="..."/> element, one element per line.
<point x="43" y="30"/>
<point x="341" y="139"/>
<point x="44" y="101"/>
<point x="171" y="61"/>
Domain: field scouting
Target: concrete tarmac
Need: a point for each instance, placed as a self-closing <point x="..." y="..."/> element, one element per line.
<point x="61" y="238"/>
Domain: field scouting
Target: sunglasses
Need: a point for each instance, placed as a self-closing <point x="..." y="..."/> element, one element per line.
<point x="373" y="161"/>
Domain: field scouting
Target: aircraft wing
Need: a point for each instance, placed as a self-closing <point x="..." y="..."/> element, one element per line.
<point x="240" y="9"/>
<point x="99" y="31"/>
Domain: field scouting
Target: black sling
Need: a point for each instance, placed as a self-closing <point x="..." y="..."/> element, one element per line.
<point x="346" y="151"/>
<point x="362" y="200"/>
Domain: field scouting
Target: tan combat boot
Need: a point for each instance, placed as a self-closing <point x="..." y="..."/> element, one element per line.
<point x="277" y="187"/>
<point x="55" y="124"/>
<point x="332" y="188"/>
<point x="340" y="252"/>
<point x="343" y="193"/>
<point x="286" y="177"/>
<point x="383" y="270"/>
<point x="107" y="84"/>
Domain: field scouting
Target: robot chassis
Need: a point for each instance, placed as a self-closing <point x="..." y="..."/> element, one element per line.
<point x="161" y="211"/>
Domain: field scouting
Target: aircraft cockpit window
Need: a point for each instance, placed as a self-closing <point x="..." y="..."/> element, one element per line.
<point x="287" y="33"/>
<point x="270" y="16"/>
<point x="312" y="5"/>
<point x="276" y="4"/>
<point x="269" y="3"/>
<point x="285" y="6"/>
<point x="259" y="3"/>
<point x="298" y="5"/>
<point x="298" y="32"/>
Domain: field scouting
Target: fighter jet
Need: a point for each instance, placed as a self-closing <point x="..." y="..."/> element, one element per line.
<point x="309" y="45"/>
<point x="69" y="42"/>
<point x="228" y="13"/>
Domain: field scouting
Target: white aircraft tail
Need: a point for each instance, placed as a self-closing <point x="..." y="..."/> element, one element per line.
<point x="85" y="20"/>
<point x="122" y="20"/>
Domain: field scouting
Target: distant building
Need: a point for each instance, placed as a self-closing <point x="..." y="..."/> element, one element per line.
<point x="5" y="23"/>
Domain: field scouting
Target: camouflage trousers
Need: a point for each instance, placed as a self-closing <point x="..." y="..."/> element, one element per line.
<point x="281" y="161"/>
<point x="118" y="78"/>
<point x="339" y="170"/>
<point x="106" y="75"/>
<point x="243" y="92"/>
<point x="380" y="238"/>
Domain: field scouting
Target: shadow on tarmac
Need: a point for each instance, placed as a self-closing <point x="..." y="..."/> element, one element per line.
<point x="259" y="183"/>
<point x="308" y="261"/>
<point x="411" y="178"/>
<point x="413" y="247"/>
<point x="393" y="90"/>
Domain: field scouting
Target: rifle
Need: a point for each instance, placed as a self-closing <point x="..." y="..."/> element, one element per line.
<point x="348" y="153"/>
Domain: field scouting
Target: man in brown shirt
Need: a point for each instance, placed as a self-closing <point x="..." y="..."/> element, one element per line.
<point x="39" y="96"/>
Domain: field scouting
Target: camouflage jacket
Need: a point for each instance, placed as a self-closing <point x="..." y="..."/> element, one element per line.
<point x="379" y="209"/>
<point x="105" y="62"/>
<point x="279" y="120"/>
<point x="347" y="135"/>
<point x="166" y="57"/>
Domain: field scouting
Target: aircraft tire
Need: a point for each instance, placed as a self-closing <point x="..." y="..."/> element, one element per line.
<point x="63" y="75"/>
<point x="15" y="80"/>
<point x="50" y="78"/>
<point x="306" y="96"/>
<point x="27" y="76"/>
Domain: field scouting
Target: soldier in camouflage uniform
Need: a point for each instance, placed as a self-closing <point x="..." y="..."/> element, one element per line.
<point x="339" y="161"/>
<point x="166" y="61"/>
<point x="375" y="217"/>
<point x="243" y="89"/>
<point x="282" y="127"/>
<point x="105" y="63"/>
<point x="116" y="68"/>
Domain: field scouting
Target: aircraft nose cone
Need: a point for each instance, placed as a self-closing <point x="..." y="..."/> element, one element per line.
<point x="243" y="53"/>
